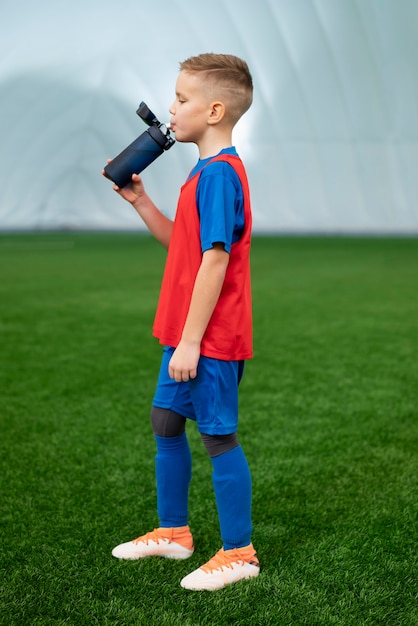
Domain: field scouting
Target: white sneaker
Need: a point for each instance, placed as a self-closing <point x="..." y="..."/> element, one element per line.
<point x="226" y="567"/>
<point x="172" y="543"/>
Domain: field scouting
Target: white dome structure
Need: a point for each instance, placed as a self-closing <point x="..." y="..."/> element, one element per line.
<point x="330" y="143"/>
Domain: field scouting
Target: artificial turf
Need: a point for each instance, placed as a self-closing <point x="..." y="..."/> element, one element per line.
<point x="328" y="423"/>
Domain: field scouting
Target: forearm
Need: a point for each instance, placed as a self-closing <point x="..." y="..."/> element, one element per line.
<point x="206" y="291"/>
<point x="159" y="225"/>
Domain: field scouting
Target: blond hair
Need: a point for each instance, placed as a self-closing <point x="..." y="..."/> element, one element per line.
<point x="227" y="76"/>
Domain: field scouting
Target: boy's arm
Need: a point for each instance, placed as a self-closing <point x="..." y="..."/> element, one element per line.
<point x="157" y="223"/>
<point x="206" y="291"/>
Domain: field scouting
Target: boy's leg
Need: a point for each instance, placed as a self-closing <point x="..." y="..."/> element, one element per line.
<point x="173" y="538"/>
<point x="173" y="467"/>
<point x="173" y="474"/>
<point x="233" y="489"/>
<point x="232" y="484"/>
<point x="231" y="476"/>
<point x="214" y="395"/>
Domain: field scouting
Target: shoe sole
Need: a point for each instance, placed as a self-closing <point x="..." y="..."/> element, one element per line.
<point x="130" y="554"/>
<point x="201" y="581"/>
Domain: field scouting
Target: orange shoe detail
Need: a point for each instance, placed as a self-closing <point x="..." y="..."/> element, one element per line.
<point x="225" y="568"/>
<point x="183" y="536"/>
<point x="172" y="543"/>
<point x="225" y="558"/>
<point x="180" y="535"/>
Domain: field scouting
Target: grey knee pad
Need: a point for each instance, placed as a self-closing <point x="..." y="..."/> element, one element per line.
<point x="219" y="444"/>
<point x="167" y="423"/>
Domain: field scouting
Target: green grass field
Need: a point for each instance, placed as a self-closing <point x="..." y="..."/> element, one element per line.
<point x="329" y="410"/>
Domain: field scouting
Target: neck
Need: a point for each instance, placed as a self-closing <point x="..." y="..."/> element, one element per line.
<point x="211" y="145"/>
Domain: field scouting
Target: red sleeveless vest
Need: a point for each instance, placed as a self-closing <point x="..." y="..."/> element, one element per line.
<point x="228" y="335"/>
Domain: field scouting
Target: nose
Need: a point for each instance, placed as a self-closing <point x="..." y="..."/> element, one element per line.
<point x="171" y="109"/>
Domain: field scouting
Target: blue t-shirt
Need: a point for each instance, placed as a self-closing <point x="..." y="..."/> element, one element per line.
<point x="220" y="202"/>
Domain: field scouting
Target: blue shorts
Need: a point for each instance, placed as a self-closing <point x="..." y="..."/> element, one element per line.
<point x="210" y="399"/>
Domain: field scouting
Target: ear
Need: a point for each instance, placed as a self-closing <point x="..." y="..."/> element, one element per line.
<point x="217" y="112"/>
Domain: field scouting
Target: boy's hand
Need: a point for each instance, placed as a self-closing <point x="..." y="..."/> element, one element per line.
<point x="131" y="192"/>
<point x="183" y="363"/>
<point x="134" y="193"/>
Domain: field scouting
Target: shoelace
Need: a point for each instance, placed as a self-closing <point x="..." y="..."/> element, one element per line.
<point x="221" y="560"/>
<point x="155" y="535"/>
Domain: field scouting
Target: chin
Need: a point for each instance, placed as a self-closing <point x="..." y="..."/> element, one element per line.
<point x="184" y="137"/>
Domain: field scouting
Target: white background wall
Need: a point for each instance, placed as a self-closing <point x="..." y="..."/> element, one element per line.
<point x="330" y="144"/>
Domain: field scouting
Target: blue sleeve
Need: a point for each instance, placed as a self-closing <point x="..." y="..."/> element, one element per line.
<point x="221" y="206"/>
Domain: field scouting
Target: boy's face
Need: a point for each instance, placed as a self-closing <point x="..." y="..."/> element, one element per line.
<point x="191" y="109"/>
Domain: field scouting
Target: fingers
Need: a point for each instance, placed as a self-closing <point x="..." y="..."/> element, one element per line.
<point x="184" y="362"/>
<point x="103" y="171"/>
<point x="178" y="375"/>
<point x="182" y="375"/>
<point x="136" y="178"/>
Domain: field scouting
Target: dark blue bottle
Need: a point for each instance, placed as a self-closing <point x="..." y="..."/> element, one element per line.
<point x="141" y="152"/>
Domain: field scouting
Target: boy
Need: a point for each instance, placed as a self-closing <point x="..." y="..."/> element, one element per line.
<point x="204" y="322"/>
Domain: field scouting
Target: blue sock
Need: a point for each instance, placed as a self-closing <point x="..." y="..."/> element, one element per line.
<point x="173" y="468"/>
<point x="233" y="490"/>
